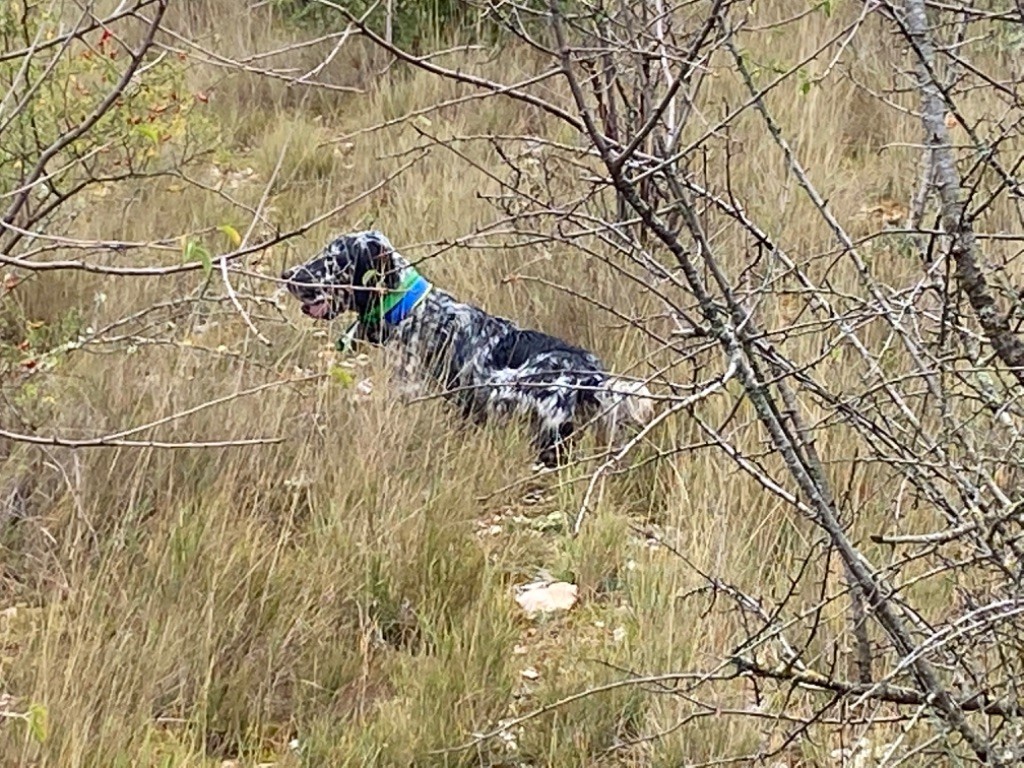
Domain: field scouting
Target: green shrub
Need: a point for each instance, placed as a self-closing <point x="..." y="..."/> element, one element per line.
<point x="150" y="124"/>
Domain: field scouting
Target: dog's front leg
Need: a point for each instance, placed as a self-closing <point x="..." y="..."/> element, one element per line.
<point x="407" y="380"/>
<point x="408" y="388"/>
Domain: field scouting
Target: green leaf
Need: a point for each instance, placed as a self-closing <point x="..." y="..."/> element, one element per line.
<point x="371" y="274"/>
<point x="38" y="722"/>
<point x="232" y="234"/>
<point x="148" y="132"/>
<point x="196" y="252"/>
<point x="805" y="82"/>
<point x="342" y="376"/>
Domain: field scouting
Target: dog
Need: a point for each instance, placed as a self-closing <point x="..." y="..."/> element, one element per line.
<point x="486" y="366"/>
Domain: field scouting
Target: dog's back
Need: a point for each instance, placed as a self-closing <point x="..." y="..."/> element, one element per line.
<point x="489" y="366"/>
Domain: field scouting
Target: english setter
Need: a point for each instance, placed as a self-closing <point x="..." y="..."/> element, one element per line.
<point x="484" y="365"/>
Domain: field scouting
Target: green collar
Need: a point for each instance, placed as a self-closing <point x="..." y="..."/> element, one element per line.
<point x="391" y="309"/>
<point x="395" y="305"/>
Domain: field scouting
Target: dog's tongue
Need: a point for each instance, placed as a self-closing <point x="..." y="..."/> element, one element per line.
<point x="318" y="310"/>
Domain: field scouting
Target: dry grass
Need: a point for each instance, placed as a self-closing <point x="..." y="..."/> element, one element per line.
<point x="348" y="587"/>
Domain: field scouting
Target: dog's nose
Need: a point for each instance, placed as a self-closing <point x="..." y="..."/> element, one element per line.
<point x="288" y="274"/>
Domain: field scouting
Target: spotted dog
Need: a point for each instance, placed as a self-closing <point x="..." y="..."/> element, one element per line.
<point x="486" y="366"/>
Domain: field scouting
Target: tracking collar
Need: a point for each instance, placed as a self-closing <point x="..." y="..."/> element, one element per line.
<point x="393" y="307"/>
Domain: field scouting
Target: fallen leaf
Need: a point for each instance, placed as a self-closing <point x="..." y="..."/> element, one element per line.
<point x="550" y="522"/>
<point x="547" y="598"/>
<point x="529" y="673"/>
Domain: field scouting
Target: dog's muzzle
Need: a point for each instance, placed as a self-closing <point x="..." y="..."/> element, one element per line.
<point x="318" y="310"/>
<point x="319" y="307"/>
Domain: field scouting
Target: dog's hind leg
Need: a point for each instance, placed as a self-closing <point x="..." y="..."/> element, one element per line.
<point x="552" y="442"/>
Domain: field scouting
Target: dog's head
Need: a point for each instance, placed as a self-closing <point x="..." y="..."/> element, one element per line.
<point x="345" y="276"/>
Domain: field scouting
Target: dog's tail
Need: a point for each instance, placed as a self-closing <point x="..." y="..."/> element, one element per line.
<point x="624" y="404"/>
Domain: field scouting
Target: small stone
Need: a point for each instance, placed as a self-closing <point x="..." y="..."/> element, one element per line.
<point x="548" y="598"/>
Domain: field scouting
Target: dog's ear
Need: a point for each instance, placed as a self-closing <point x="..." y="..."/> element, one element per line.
<point x="379" y="266"/>
<point x="372" y="267"/>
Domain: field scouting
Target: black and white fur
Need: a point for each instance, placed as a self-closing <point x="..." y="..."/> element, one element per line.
<point x="484" y="365"/>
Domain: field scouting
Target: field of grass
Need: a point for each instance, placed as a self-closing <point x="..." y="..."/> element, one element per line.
<point x="345" y="596"/>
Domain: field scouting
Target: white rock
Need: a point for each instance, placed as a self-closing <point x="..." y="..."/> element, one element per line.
<point x="547" y="598"/>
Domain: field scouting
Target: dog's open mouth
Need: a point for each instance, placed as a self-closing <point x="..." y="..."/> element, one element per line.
<point x="317" y="309"/>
